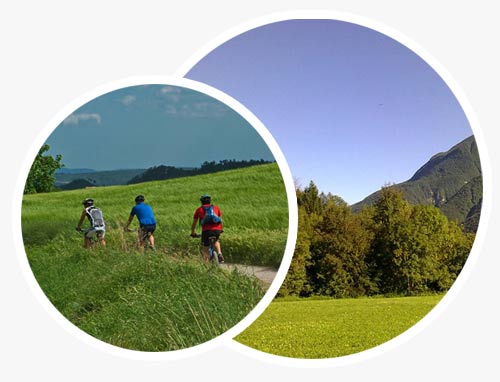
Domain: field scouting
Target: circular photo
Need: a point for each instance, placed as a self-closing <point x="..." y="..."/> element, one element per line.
<point x="388" y="180"/>
<point x="155" y="217"/>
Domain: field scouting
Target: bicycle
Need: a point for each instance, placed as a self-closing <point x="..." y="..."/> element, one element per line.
<point x="213" y="258"/>
<point x="95" y="238"/>
<point x="143" y="238"/>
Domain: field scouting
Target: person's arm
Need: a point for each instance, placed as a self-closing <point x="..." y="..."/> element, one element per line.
<point x="195" y="221"/>
<point x="130" y="218"/>
<point x="221" y="220"/>
<point x="82" y="219"/>
<point x="193" y="226"/>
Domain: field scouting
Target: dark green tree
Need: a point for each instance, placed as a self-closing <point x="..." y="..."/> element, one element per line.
<point x="415" y="248"/>
<point x="338" y="249"/>
<point x="42" y="173"/>
<point x="391" y="214"/>
<point x="310" y="199"/>
<point x="296" y="283"/>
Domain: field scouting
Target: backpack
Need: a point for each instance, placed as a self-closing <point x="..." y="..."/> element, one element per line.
<point x="210" y="216"/>
<point x="95" y="216"/>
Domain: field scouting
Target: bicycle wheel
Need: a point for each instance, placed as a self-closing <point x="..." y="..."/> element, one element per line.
<point x="212" y="253"/>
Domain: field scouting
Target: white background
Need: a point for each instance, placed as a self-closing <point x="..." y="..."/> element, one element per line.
<point x="54" y="51"/>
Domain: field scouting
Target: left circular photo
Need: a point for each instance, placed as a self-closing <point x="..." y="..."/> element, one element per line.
<point x="155" y="217"/>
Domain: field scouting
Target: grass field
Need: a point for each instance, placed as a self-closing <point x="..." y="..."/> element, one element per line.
<point x="170" y="299"/>
<point x="327" y="328"/>
<point x="253" y="202"/>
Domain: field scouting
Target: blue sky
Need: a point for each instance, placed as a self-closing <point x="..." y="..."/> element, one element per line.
<point x="148" y="125"/>
<point x="351" y="108"/>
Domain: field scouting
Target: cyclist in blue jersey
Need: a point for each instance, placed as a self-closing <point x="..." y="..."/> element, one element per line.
<point x="147" y="221"/>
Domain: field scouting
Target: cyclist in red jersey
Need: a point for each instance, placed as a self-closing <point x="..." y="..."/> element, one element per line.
<point x="210" y="218"/>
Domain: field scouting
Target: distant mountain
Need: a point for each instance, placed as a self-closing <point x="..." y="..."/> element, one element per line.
<point x="65" y="170"/>
<point x="451" y="181"/>
<point x="95" y="178"/>
<point x="77" y="184"/>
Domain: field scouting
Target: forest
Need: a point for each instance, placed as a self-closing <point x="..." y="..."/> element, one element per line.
<point x="388" y="248"/>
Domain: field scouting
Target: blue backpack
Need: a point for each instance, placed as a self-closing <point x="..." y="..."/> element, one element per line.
<point x="210" y="216"/>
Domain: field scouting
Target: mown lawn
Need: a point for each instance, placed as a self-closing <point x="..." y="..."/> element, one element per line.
<point x="328" y="328"/>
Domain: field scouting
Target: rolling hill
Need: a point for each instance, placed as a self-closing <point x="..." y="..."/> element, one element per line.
<point x="252" y="199"/>
<point x="168" y="299"/>
<point x="73" y="179"/>
<point x="450" y="180"/>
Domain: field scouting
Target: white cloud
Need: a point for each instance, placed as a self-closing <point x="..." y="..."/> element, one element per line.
<point x="203" y="109"/>
<point x="170" y="90"/>
<point x="171" y="110"/>
<point x="171" y="93"/>
<point x="74" y="119"/>
<point x="128" y="99"/>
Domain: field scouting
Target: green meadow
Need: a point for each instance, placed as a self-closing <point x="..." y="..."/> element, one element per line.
<point x="327" y="328"/>
<point x="169" y="299"/>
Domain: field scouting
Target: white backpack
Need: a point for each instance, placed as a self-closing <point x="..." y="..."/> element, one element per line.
<point x="95" y="215"/>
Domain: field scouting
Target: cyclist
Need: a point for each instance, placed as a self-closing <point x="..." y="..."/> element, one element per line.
<point x="210" y="218"/>
<point x="97" y="225"/>
<point x="147" y="221"/>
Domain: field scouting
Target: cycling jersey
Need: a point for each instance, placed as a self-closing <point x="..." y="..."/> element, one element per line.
<point x="144" y="213"/>
<point x="200" y="214"/>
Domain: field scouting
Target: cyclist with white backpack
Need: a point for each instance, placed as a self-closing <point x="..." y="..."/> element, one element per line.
<point x="97" y="225"/>
<point x="210" y="218"/>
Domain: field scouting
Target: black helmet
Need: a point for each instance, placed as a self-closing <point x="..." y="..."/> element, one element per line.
<point x="139" y="198"/>
<point x="205" y="199"/>
<point x="88" y="202"/>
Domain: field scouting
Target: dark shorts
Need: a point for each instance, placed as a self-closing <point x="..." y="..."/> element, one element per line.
<point x="148" y="228"/>
<point x="205" y="235"/>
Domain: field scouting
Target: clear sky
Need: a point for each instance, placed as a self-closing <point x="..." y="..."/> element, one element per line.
<point x="149" y="125"/>
<point x="351" y="108"/>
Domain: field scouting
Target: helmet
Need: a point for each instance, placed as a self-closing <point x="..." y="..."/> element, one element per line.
<point x="139" y="198"/>
<point x="205" y="199"/>
<point x="88" y="202"/>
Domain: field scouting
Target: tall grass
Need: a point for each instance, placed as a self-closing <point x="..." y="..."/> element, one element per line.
<point x="169" y="299"/>
<point x="253" y="202"/>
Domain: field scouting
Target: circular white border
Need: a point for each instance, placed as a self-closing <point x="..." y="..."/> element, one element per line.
<point x="265" y="135"/>
<point x="486" y="173"/>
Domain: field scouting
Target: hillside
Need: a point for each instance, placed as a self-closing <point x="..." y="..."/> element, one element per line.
<point x="253" y="201"/>
<point x="82" y="179"/>
<point x="163" y="172"/>
<point x="450" y="180"/>
<point x="167" y="299"/>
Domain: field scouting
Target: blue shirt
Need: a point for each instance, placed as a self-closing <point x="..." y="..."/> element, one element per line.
<point x="144" y="213"/>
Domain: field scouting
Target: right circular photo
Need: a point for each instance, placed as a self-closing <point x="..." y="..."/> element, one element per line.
<point x="387" y="174"/>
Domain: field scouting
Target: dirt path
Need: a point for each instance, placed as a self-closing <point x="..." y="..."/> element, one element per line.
<point x="264" y="274"/>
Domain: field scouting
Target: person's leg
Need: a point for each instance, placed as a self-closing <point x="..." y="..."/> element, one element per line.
<point x="87" y="237"/>
<point x="100" y="236"/>
<point x="151" y="239"/>
<point x="151" y="229"/>
<point x="217" y="247"/>
<point x="141" y="237"/>
<point x="219" y="251"/>
<point x="205" y="243"/>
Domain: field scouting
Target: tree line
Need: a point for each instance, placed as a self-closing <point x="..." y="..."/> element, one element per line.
<point x="163" y="172"/>
<point x="390" y="247"/>
<point x="41" y="177"/>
